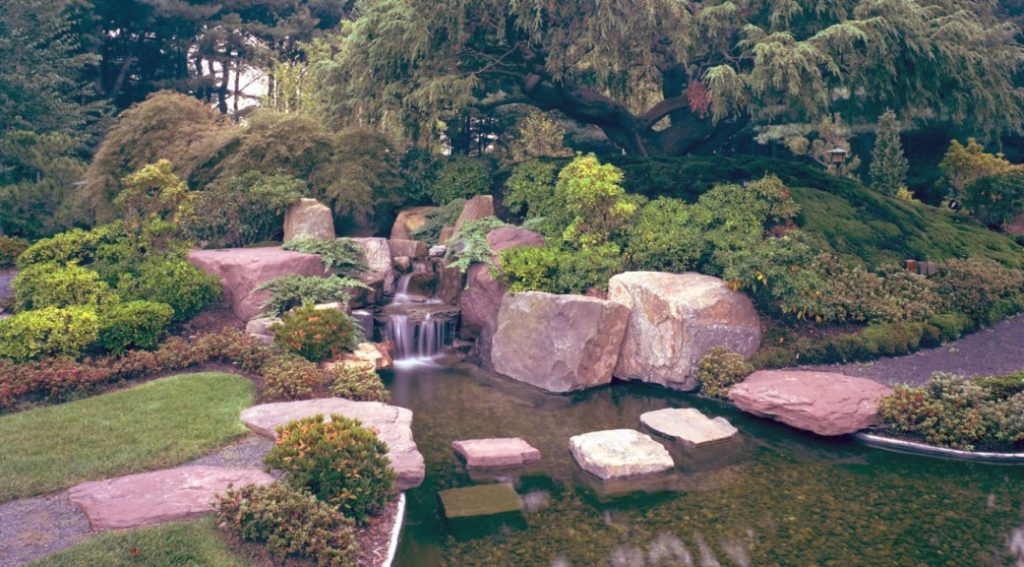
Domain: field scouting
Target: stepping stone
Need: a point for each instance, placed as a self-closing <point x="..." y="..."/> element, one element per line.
<point x="494" y="453"/>
<point x="392" y="424"/>
<point x="688" y="425"/>
<point x="157" y="497"/>
<point x="619" y="453"/>
<point x="480" y="500"/>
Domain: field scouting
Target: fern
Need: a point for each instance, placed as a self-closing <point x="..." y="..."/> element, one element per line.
<point x="292" y="291"/>
<point x="342" y="255"/>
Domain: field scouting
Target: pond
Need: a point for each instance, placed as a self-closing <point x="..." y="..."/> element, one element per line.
<point x="774" y="497"/>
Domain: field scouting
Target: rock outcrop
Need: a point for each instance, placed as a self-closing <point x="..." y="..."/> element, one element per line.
<point x="243" y="270"/>
<point x="496" y="453"/>
<point x="688" y="425"/>
<point x="409" y="221"/>
<point x="821" y="402"/>
<point x="379" y="274"/>
<point x="558" y="343"/>
<point x="619" y="453"/>
<point x="392" y="424"/>
<point x="308" y="218"/>
<point x="674" y="320"/>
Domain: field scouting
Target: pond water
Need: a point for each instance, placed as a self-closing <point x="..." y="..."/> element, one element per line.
<point x="774" y="497"/>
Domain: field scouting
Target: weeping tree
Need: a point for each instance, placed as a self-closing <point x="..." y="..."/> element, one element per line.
<point x="667" y="77"/>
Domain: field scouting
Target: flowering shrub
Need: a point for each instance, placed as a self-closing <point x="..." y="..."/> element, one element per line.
<point x="357" y="381"/>
<point x="719" y="369"/>
<point x="317" y="334"/>
<point x="290" y="378"/>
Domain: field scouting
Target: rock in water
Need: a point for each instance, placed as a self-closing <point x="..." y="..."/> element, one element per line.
<point x="308" y="218"/>
<point x="619" y="453"/>
<point x="558" y="343"/>
<point x="674" y="320"/>
<point x="495" y="453"/>
<point x="480" y="500"/>
<point x="821" y="402"/>
<point x="688" y="425"/>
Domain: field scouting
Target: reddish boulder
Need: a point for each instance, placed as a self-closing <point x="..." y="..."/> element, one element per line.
<point x="410" y="248"/>
<point x="479" y="207"/>
<point x="495" y="453"/>
<point x="821" y="402"/>
<point x="157" y="497"/>
<point x="243" y="270"/>
<point x="308" y="218"/>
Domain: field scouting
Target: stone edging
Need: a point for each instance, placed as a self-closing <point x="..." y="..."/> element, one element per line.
<point x="899" y="445"/>
<point x="396" y="531"/>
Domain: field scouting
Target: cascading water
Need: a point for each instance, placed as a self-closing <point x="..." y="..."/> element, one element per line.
<point x="418" y="325"/>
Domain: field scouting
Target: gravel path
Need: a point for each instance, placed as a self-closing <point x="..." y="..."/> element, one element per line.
<point x="31" y="528"/>
<point x="996" y="350"/>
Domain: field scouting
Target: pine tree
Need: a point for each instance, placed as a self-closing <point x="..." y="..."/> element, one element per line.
<point x="888" y="164"/>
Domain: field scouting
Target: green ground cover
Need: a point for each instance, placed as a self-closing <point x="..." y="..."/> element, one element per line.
<point x="158" y="424"/>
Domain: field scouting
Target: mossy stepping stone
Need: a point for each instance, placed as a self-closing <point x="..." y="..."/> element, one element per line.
<point x="480" y="500"/>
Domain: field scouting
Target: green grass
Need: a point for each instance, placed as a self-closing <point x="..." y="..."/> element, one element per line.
<point x="194" y="543"/>
<point x="158" y="424"/>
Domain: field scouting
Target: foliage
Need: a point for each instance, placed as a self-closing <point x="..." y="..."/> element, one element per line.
<point x="437" y="219"/>
<point x="290" y="522"/>
<point x="976" y="286"/>
<point x="362" y="178"/>
<point x="555" y="269"/>
<point x="832" y="133"/>
<point x="289" y="292"/>
<point x="955" y="412"/>
<point x="996" y="199"/>
<point x="187" y="289"/>
<point x="889" y="166"/>
<point x="339" y="461"/>
<point x="76" y="245"/>
<point x="964" y="164"/>
<point x="665" y="237"/>
<point x="151" y="193"/>
<point x="51" y="285"/>
<point x="317" y="334"/>
<point x="135" y="324"/>
<point x="469" y="245"/>
<point x="48" y="331"/>
<point x="594" y="194"/>
<point x="358" y="381"/>
<point x="719" y="369"/>
<point x="531" y="189"/>
<point x="10" y="248"/>
<point x="537" y="135"/>
<point x="461" y="178"/>
<point x="290" y="378"/>
<point x="244" y="209"/>
<point x="37" y="175"/>
<point x="419" y="168"/>
<point x="343" y="255"/>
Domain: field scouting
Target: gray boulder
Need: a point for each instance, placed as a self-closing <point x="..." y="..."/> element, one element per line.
<point x="619" y="453"/>
<point x="308" y="218"/>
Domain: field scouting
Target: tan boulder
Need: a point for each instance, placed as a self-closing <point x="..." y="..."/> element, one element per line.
<point x="821" y="402"/>
<point x="308" y="218"/>
<point x="409" y="221"/>
<point x="479" y="207"/>
<point x="376" y="354"/>
<point x="380" y="273"/>
<point x="410" y="248"/>
<point x="674" y="320"/>
<point x="619" y="453"/>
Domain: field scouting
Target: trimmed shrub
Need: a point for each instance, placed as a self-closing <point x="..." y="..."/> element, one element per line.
<point x="339" y="461"/>
<point x="290" y="378"/>
<point x="554" y="269"/>
<point x="531" y="189"/>
<point x="292" y="291"/>
<point x="343" y="255"/>
<point x="75" y="245"/>
<point x="719" y="369"/>
<point x="951" y="325"/>
<point x="50" y="331"/>
<point x="51" y="285"/>
<point x="1003" y="386"/>
<point x="461" y="178"/>
<point x="135" y="324"/>
<point x="290" y="522"/>
<point x="975" y="287"/>
<point x="664" y="238"/>
<point x="317" y="334"/>
<point x="187" y="289"/>
<point x="357" y="381"/>
<point x="10" y="249"/>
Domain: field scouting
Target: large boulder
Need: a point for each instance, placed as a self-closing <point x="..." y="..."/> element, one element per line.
<point x="558" y="343"/>
<point x="308" y="218"/>
<point x="479" y="207"/>
<point x="260" y="329"/>
<point x="392" y="424"/>
<point x="821" y="402"/>
<point x="157" y="497"/>
<point x="380" y="273"/>
<point x="410" y="248"/>
<point x="409" y="221"/>
<point x="243" y="270"/>
<point x="674" y="320"/>
<point x="619" y="453"/>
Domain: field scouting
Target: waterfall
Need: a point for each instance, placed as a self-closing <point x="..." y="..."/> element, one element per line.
<point x="418" y="340"/>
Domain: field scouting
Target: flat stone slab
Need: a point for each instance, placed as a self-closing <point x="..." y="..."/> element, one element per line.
<point x="619" y="453"/>
<point x="820" y="402"/>
<point x="392" y="424"/>
<point x="480" y="500"/>
<point x="688" y="425"/>
<point x="493" y="453"/>
<point x="156" y="497"/>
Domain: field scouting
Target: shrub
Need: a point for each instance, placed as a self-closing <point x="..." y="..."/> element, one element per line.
<point x="358" y="381"/>
<point x="290" y="522"/>
<point x="343" y="255"/>
<point x="974" y="287"/>
<point x="290" y="378"/>
<point x="339" y="461"/>
<point x="292" y="291"/>
<point x="594" y="196"/>
<point x="719" y="369"/>
<point x="664" y="238"/>
<point x="10" y="249"/>
<point x="317" y="334"/>
<point x="469" y="244"/>
<point x="997" y="199"/>
<point x="1003" y="386"/>
<point x="75" y="245"/>
<point x="244" y="209"/>
<point x="135" y="324"/>
<point x="187" y="289"/>
<point x="461" y="178"/>
<point x="152" y="192"/>
<point x="48" y="331"/>
<point x="951" y="325"/>
<point x="50" y="285"/>
<point x="437" y="219"/>
<point x="530" y="189"/>
<point x="554" y="269"/>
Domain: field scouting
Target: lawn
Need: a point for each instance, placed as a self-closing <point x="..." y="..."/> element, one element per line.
<point x="173" y="545"/>
<point x="155" y="425"/>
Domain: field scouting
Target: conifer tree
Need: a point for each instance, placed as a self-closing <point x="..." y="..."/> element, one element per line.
<point x="888" y="164"/>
